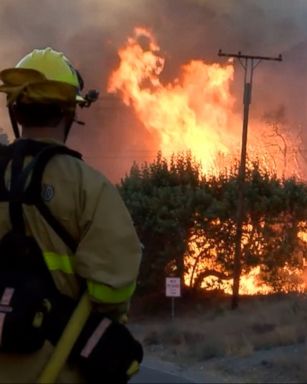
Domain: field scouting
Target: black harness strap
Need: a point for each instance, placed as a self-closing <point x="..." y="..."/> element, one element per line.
<point x="34" y="190"/>
<point x="32" y="195"/>
<point x="56" y="226"/>
<point x="15" y="192"/>
<point x="5" y="157"/>
<point x="41" y="160"/>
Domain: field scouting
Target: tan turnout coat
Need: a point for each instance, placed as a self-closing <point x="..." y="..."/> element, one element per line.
<point x="108" y="253"/>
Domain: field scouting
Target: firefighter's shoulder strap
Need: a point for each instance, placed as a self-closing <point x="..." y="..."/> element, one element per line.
<point x="18" y="195"/>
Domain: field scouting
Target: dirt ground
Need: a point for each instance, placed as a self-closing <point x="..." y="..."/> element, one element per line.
<point x="263" y="341"/>
<point x="277" y="365"/>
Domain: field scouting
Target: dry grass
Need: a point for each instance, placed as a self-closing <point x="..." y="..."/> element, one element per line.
<point x="259" y="324"/>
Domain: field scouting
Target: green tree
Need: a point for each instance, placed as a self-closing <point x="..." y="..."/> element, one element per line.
<point x="276" y="213"/>
<point x="161" y="197"/>
<point x="180" y="212"/>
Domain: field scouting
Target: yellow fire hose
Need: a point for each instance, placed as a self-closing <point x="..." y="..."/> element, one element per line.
<point x="64" y="346"/>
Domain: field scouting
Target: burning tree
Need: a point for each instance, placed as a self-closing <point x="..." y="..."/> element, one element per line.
<point x="162" y="199"/>
<point x="186" y="222"/>
<point x="271" y="244"/>
<point x="177" y="218"/>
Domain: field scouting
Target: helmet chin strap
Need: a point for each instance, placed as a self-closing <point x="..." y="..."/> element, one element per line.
<point x="14" y="122"/>
<point x="68" y="123"/>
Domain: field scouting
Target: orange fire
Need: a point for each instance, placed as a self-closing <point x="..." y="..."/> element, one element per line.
<point x="250" y="282"/>
<point x="192" y="113"/>
<point x="195" y="112"/>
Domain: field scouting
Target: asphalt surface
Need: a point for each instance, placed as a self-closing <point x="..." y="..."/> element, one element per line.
<point x="150" y="375"/>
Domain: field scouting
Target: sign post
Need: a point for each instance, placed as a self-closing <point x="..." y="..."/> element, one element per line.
<point x="172" y="290"/>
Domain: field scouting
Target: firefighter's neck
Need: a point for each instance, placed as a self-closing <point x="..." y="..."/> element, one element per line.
<point x="55" y="133"/>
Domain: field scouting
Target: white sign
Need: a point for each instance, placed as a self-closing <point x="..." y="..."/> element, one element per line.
<point x="173" y="287"/>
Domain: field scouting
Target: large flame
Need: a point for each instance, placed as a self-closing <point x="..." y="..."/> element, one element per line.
<point x="195" y="112"/>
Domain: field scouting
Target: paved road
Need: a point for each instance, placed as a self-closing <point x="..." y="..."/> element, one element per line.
<point x="150" y="375"/>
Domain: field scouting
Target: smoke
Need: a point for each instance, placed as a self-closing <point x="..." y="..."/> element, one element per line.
<point x="91" y="31"/>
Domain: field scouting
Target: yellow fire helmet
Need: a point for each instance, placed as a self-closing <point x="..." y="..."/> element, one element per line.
<point x="41" y="75"/>
<point x="54" y="65"/>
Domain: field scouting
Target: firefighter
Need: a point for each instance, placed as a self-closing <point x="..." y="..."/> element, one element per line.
<point x="87" y="238"/>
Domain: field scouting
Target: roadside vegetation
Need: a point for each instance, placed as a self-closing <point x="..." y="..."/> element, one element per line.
<point x="179" y="212"/>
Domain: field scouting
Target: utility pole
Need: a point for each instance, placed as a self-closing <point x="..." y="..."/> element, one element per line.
<point x="248" y="63"/>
